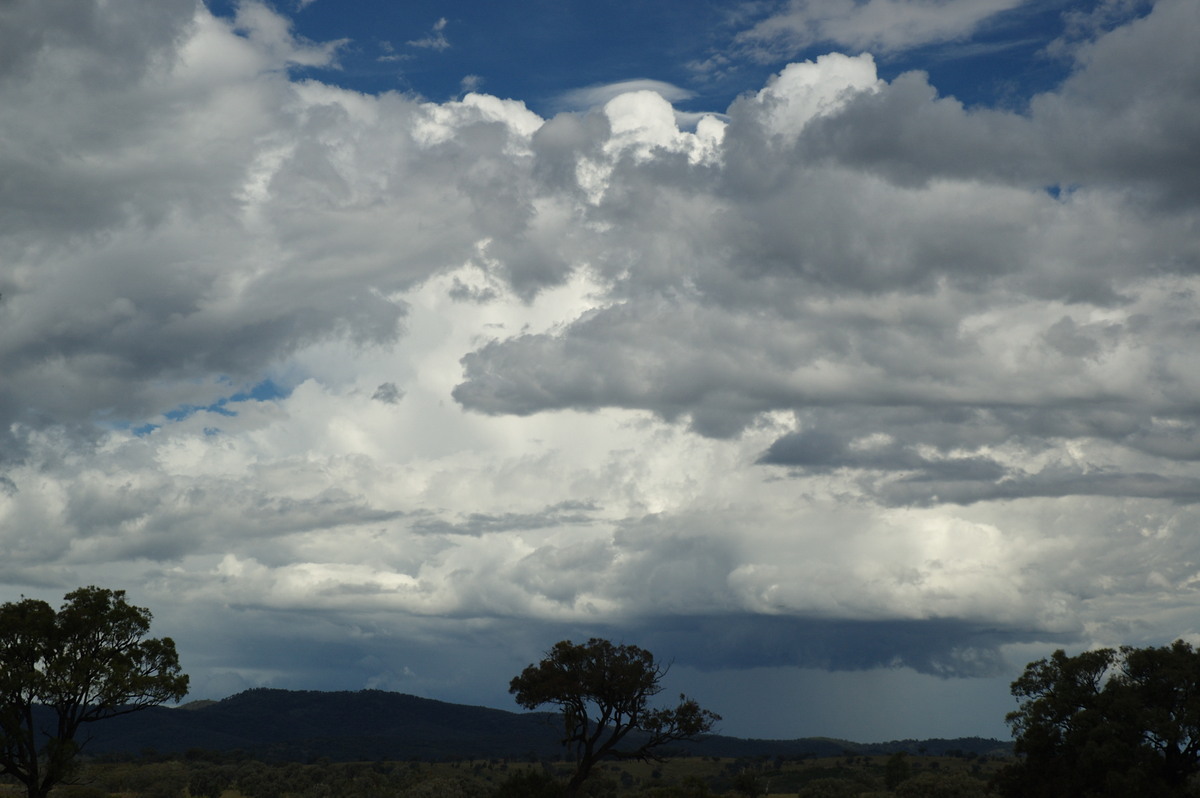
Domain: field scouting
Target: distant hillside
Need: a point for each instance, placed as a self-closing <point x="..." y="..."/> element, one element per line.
<point x="373" y="724"/>
<point x="826" y="746"/>
<point x="303" y="725"/>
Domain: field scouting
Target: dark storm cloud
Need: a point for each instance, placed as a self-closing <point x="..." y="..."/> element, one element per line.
<point x="946" y="647"/>
<point x="942" y="647"/>
<point x="823" y="451"/>
<point x="476" y="663"/>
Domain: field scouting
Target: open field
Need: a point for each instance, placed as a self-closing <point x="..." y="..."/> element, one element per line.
<point x="690" y="777"/>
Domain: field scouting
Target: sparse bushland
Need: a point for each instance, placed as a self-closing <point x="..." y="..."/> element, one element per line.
<point x="681" y="777"/>
<point x="529" y="784"/>
<point x="932" y="784"/>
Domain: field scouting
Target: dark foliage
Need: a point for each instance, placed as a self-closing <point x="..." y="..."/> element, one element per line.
<point x="61" y="671"/>
<point x="603" y="692"/>
<point x="897" y="770"/>
<point x="932" y="784"/>
<point x="749" y="784"/>
<point x="1107" y="723"/>
<point x="529" y="784"/>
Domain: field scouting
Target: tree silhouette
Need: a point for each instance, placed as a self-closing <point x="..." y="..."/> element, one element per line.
<point x="603" y="692"/>
<point x="896" y="770"/>
<point x="61" y="670"/>
<point x="1111" y="722"/>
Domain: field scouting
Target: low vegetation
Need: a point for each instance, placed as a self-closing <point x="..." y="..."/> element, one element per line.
<point x="222" y="775"/>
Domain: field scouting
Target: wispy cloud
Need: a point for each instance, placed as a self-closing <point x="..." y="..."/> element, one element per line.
<point x="390" y="55"/>
<point x="1085" y="26"/>
<point x="879" y="26"/>
<point x="436" y="40"/>
<point x="597" y="95"/>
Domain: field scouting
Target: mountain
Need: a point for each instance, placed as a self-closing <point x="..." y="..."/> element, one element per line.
<point x="304" y="725"/>
<point x="374" y="724"/>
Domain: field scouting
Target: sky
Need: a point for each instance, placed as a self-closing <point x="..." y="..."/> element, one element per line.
<point x="841" y="353"/>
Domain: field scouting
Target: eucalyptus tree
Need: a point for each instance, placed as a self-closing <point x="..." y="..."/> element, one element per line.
<point x="1109" y="722"/>
<point x="62" y="670"/>
<point x="604" y="693"/>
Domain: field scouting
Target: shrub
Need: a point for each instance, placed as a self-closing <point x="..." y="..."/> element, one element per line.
<point x="830" y="788"/>
<point x="529" y="784"/>
<point x="942" y="785"/>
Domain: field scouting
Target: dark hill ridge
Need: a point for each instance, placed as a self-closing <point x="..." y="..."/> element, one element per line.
<point x="302" y="725"/>
<point x="374" y="724"/>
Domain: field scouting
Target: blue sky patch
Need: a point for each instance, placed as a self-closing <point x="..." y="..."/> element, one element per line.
<point x="265" y="391"/>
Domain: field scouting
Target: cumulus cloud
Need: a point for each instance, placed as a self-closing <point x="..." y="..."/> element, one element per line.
<point x="200" y="274"/>
<point x="849" y="376"/>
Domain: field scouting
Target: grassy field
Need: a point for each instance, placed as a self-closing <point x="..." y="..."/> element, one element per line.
<point x="694" y="777"/>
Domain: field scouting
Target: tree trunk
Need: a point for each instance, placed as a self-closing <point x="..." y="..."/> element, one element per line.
<point x="581" y="773"/>
<point x="33" y="788"/>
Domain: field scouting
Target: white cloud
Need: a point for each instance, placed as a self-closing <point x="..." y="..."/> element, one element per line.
<point x="803" y="92"/>
<point x="272" y="33"/>
<point x="877" y="25"/>
<point x="436" y="40"/>
<point x="596" y="96"/>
